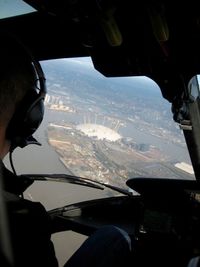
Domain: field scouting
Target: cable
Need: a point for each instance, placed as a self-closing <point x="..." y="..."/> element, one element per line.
<point x="11" y="163"/>
<point x="13" y="168"/>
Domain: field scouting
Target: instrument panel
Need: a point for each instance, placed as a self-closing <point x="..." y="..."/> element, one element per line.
<point x="162" y="223"/>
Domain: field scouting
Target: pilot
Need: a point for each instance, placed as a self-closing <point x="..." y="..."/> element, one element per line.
<point x="22" y="93"/>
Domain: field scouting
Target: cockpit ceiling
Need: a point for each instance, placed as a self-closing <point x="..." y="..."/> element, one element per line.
<point x="123" y="37"/>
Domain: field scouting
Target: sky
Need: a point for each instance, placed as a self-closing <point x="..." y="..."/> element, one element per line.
<point x="86" y="62"/>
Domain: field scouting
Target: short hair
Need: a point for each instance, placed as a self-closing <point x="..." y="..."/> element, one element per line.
<point x="17" y="76"/>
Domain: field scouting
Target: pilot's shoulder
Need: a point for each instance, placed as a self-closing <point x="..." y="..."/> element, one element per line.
<point x="13" y="183"/>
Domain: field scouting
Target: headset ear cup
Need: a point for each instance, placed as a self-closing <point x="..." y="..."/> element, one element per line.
<point x="27" y="117"/>
<point x="34" y="117"/>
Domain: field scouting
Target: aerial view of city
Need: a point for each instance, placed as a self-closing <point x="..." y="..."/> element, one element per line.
<point x="110" y="129"/>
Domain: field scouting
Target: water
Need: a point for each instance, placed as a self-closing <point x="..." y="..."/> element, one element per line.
<point x="173" y="151"/>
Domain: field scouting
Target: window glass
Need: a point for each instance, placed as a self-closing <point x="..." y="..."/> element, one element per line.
<point x="10" y="8"/>
<point x="108" y="129"/>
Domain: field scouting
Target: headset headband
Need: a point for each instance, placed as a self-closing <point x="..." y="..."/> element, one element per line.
<point x="37" y="67"/>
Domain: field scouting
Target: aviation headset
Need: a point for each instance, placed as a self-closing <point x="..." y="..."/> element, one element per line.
<point x="29" y="115"/>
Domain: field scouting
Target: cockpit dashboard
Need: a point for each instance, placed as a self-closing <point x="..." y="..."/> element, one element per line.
<point x="162" y="221"/>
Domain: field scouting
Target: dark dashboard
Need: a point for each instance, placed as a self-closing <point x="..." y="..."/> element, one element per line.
<point x="162" y="221"/>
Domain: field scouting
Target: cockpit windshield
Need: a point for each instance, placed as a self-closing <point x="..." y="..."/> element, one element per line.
<point x="105" y="129"/>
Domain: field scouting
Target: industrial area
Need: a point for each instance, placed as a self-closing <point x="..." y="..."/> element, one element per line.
<point x="101" y="153"/>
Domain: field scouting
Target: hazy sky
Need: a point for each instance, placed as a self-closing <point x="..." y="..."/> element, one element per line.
<point x="86" y="63"/>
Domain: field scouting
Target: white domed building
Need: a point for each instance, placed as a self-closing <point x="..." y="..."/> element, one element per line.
<point x="99" y="131"/>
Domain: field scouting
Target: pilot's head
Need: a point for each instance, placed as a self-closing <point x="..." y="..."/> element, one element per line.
<point x="21" y="103"/>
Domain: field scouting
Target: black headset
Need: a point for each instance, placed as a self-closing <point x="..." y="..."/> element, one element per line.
<point x="29" y="115"/>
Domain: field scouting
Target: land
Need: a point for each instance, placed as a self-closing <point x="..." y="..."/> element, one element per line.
<point x="117" y="107"/>
<point x="106" y="161"/>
